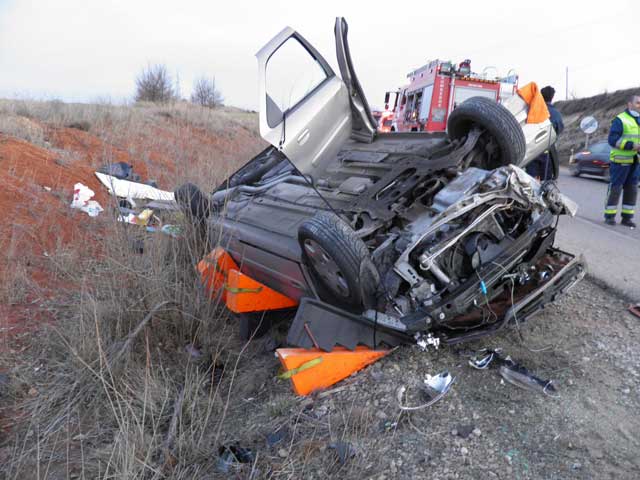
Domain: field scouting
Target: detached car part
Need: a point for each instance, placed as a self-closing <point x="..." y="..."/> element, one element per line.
<point x="435" y="387"/>
<point x="513" y="372"/>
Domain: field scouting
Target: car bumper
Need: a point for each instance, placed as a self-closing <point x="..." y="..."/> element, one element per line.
<point x="325" y="326"/>
<point x="573" y="270"/>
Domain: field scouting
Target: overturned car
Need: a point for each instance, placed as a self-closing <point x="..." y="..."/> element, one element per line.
<point x="387" y="238"/>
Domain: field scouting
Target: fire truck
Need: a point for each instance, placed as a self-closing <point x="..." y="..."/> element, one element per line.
<point x="384" y="119"/>
<point x="434" y="91"/>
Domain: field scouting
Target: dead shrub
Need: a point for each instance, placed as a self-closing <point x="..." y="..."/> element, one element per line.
<point x="154" y="85"/>
<point x="205" y="93"/>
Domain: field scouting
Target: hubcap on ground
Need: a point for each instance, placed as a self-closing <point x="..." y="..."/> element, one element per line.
<point x="326" y="268"/>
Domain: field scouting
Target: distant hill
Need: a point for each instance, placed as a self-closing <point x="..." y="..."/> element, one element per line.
<point x="604" y="107"/>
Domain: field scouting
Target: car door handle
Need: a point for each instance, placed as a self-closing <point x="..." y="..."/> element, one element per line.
<point x="541" y="136"/>
<point x="303" y="137"/>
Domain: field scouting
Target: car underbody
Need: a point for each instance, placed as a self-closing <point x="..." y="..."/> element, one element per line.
<point x="383" y="239"/>
<point x="452" y="251"/>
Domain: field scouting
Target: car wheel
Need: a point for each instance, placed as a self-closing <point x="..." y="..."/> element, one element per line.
<point x="192" y="201"/>
<point x="575" y="170"/>
<point x="500" y="126"/>
<point x="338" y="261"/>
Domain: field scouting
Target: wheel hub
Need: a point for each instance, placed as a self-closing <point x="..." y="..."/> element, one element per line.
<point x="326" y="268"/>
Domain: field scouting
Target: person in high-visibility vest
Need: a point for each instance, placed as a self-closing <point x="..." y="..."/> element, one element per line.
<point x="624" y="138"/>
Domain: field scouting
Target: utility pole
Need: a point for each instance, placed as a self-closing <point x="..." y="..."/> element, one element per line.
<point x="566" y="85"/>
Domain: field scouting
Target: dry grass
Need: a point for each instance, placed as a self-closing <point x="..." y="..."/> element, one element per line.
<point x="114" y="363"/>
<point x="22" y="127"/>
<point x="111" y="388"/>
<point x="15" y="282"/>
<point x="94" y="116"/>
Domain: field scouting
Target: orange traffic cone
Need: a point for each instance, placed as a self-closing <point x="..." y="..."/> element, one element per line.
<point x="313" y="369"/>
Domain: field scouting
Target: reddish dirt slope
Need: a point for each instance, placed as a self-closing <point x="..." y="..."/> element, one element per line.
<point x="39" y="224"/>
<point x="36" y="220"/>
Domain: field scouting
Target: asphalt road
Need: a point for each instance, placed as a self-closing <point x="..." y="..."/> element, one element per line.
<point x="613" y="253"/>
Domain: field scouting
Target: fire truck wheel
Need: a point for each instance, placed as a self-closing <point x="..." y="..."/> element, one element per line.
<point x="499" y="124"/>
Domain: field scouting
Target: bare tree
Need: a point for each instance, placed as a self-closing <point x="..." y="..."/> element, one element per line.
<point x="205" y="93"/>
<point x="154" y="84"/>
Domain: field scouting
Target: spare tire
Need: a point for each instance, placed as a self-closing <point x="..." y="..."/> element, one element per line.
<point x="339" y="262"/>
<point x="497" y="122"/>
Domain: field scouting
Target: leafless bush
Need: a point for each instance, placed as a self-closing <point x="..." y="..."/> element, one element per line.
<point x="154" y="84"/>
<point x="205" y="93"/>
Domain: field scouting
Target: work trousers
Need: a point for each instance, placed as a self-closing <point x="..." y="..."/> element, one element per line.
<point x="624" y="180"/>
<point x="545" y="166"/>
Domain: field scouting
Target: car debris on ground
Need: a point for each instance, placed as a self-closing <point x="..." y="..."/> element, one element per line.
<point x="433" y="389"/>
<point x="129" y="189"/>
<point x="230" y="455"/>
<point x="635" y="309"/>
<point x="344" y="450"/>
<point x="82" y="196"/>
<point x="513" y="372"/>
<point x="141" y="204"/>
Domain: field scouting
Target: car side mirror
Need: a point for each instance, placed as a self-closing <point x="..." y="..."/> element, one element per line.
<point x="274" y="114"/>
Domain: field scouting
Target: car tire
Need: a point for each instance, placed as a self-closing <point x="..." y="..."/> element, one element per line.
<point x="339" y="262"/>
<point x="575" y="171"/>
<point x="192" y="201"/>
<point x="497" y="122"/>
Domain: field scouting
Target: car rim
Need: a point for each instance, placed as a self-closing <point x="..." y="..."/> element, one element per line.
<point x="326" y="268"/>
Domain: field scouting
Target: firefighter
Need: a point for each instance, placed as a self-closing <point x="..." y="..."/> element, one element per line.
<point x="545" y="166"/>
<point x="624" y="138"/>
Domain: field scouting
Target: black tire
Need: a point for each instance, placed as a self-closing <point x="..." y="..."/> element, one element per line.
<point x="575" y="170"/>
<point x="497" y="122"/>
<point x="193" y="202"/>
<point x="339" y="262"/>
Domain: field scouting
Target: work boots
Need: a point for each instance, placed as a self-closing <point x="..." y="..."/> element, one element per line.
<point x="627" y="222"/>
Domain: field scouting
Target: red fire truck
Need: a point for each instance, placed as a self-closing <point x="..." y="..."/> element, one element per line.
<point x="384" y="119"/>
<point x="435" y="90"/>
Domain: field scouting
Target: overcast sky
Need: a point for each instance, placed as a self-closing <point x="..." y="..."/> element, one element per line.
<point x="83" y="50"/>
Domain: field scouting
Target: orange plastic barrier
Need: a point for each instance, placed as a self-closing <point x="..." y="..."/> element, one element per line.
<point x="244" y="294"/>
<point x="538" y="111"/>
<point x="213" y="270"/>
<point x="313" y="369"/>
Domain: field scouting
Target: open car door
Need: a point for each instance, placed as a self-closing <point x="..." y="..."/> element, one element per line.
<point x="364" y="125"/>
<point x="304" y="107"/>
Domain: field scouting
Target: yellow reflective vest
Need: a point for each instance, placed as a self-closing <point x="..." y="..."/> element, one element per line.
<point x="630" y="133"/>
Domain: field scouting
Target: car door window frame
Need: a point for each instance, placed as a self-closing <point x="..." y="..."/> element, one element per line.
<point x="313" y="53"/>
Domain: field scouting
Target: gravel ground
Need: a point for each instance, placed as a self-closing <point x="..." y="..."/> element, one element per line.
<point x="483" y="428"/>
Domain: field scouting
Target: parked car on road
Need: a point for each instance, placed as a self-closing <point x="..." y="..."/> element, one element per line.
<point x="592" y="161"/>
<point x="387" y="237"/>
